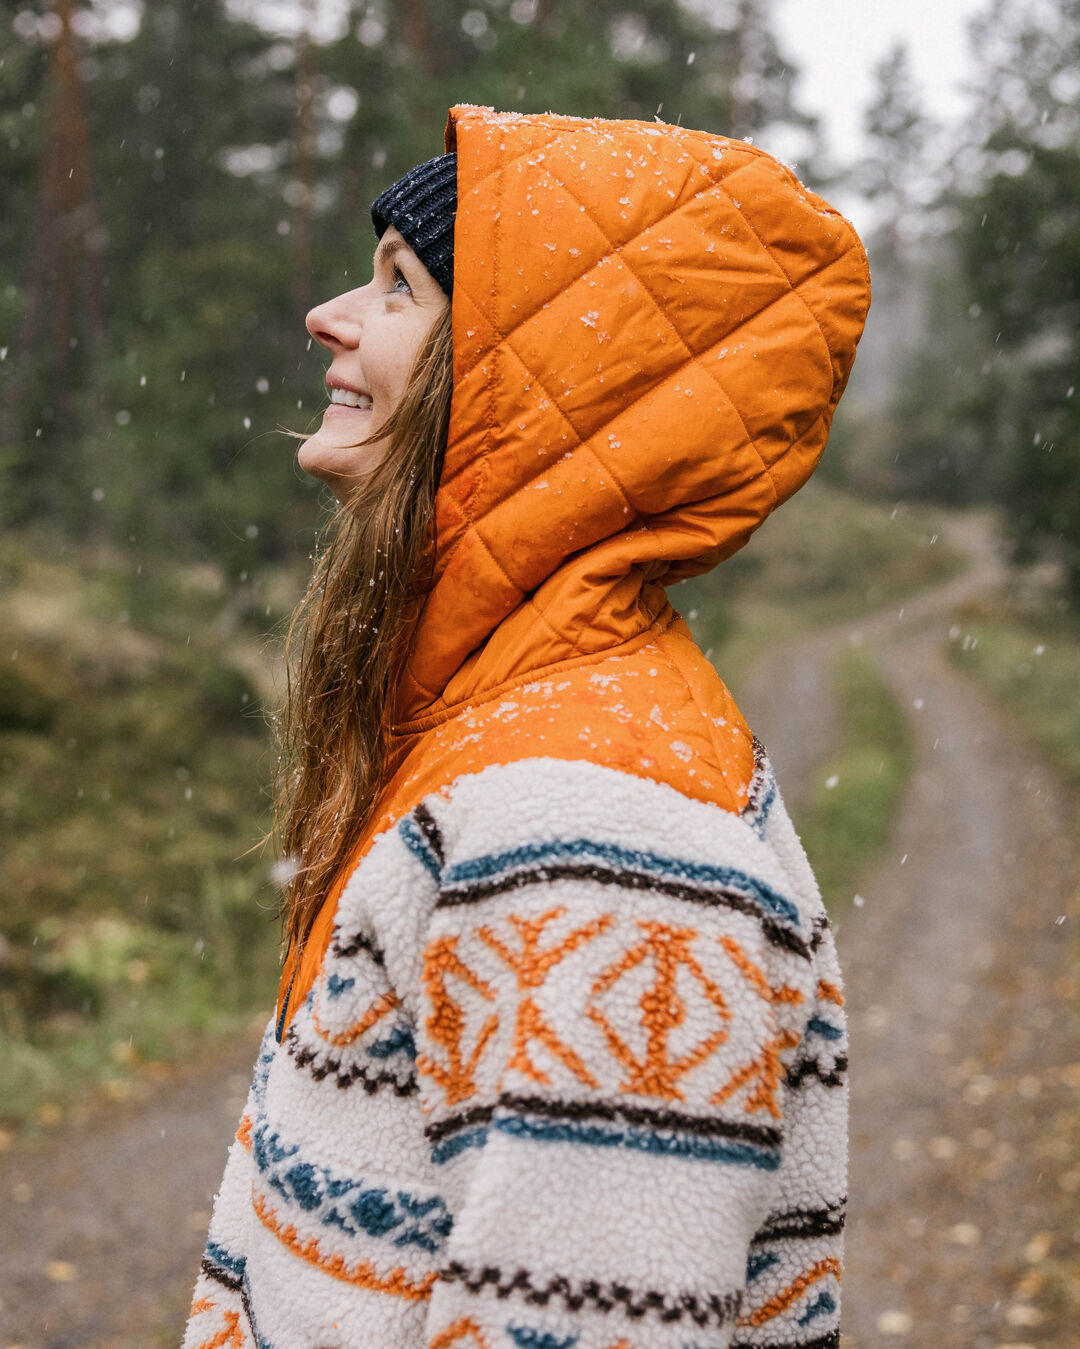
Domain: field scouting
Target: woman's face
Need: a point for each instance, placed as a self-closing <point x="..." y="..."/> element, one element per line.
<point x="373" y="334"/>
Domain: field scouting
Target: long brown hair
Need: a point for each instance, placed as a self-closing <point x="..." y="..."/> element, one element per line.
<point x="349" y="636"/>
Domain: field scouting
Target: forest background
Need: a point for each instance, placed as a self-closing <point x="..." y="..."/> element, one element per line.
<point x="182" y="180"/>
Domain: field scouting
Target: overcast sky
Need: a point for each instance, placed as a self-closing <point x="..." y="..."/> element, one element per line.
<point x="835" y="44"/>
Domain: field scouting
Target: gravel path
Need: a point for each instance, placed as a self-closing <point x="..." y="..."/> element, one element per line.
<point x="963" y="994"/>
<point x="103" y="1228"/>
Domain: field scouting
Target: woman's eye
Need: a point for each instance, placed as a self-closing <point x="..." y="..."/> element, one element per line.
<point x="400" y="286"/>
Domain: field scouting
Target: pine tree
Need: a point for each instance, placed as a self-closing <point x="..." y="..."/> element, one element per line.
<point x="60" y="329"/>
<point x="892" y="174"/>
<point x="1018" y="240"/>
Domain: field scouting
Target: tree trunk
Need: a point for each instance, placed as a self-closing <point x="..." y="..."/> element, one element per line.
<point x="65" y="288"/>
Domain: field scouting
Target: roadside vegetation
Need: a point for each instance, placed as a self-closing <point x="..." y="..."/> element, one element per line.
<point x="824" y="557"/>
<point x="136" y="925"/>
<point x="1028" y="656"/>
<point x="846" y="824"/>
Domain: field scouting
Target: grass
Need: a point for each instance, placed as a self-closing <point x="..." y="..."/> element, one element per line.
<point x="847" y="823"/>
<point x="1030" y="660"/>
<point x="132" y="764"/>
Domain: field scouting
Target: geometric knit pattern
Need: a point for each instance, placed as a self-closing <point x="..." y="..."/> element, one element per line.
<point x="573" y="1075"/>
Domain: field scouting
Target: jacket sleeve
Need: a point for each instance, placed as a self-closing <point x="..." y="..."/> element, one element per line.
<point x="619" y="995"/>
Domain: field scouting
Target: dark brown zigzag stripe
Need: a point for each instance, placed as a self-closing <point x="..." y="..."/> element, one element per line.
<point x="359" y="942"/>
<point x="347" y="1076"/>
<point x="221" y="1276"/>
<point x="233" y="1284"/>
<point x="802" y="1222"/>
<point x="625" y="880"/>
<point x="829" y="1341"/>
<point x="605" y="1298"/>
<point x="479" y="1114"/>
<point x="762" y="1135"/>
<point x="831" y="1077"/>
<point x="430" y="830"/>
<point x="821" y="923"/>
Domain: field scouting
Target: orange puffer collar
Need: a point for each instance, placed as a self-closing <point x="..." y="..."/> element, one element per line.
<point x="652" y="327"/>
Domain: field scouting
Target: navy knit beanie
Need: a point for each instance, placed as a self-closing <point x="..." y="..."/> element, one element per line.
<point x="421" y="207"/>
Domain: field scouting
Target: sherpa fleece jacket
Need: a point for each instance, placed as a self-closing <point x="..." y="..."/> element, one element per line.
<point x="562" y="1062"/>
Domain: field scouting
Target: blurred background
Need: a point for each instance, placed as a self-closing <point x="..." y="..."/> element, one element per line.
<point x="182" y="180"/>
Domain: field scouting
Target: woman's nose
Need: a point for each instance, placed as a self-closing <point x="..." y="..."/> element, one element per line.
<point x="336" y="324"/>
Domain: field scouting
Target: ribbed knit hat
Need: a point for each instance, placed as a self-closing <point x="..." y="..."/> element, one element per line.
<point x="421" y="207"/>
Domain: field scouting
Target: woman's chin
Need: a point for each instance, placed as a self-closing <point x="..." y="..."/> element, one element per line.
<point x="335" y="464"/>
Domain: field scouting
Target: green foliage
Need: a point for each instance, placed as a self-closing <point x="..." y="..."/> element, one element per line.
<point x="132" y="761"/>
<point x="897" y="136"/>
<point x="941" y="411"/>
<point x="985" y="408"/>
<point x="1020" y="244"/>
<point x="1031" y="662"/>
<point x="848" y="822"/>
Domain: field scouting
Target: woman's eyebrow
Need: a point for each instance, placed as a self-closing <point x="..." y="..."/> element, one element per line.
<point x="387" y="249"/>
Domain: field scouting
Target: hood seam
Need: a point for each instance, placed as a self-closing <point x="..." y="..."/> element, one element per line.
<point x="527" y="597"/>
<point x="484" y="469"/>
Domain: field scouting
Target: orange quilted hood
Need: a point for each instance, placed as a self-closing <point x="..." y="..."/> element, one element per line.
<point x="652" y="327"/>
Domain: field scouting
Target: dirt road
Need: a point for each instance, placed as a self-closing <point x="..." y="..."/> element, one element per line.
<point x="964" y="1001"/>
<point x="103" y="1228"/>
<point x="964" y="1212"/>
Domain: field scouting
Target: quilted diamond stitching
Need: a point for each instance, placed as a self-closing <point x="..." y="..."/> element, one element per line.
<point x="796" y="286"/>
<point x="617" y="249"/>
<point x="709" y="374"/>
<point x="612" y="249"/>
<point x="752" y="153"/>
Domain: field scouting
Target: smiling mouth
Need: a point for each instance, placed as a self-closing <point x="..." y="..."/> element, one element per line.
<point x="347" y="398"/>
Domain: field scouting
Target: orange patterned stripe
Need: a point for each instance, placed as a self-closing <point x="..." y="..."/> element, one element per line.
<point x="830" y="992"/>
<point x="447" y="1023"/>
<point x="243" y="1133"/>
<point x="200" y="1305"/>
<point x="755" y="977"/>
<point x="792" y="1293"/>
<point x="375" y="1012"/>
<point x="230" y="1334"/>
<point x="663" y="1010"/>
<point x="361" y="1275"/>
<point x="457" y="1333"/>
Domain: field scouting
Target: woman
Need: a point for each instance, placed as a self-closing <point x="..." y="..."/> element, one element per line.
<point x="560" y="1054"/>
